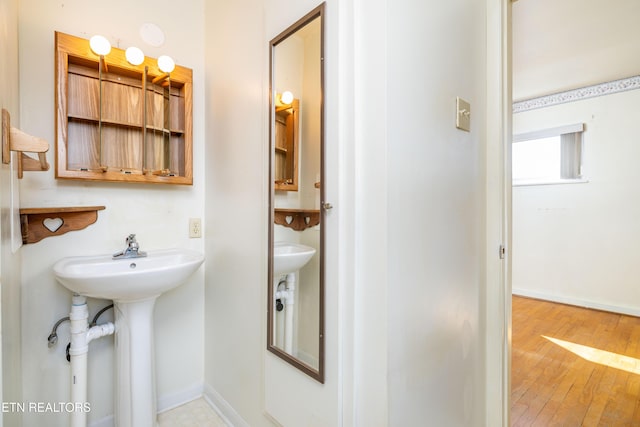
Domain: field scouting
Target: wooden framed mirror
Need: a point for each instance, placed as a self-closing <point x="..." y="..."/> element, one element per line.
<point x="295" y="307"/>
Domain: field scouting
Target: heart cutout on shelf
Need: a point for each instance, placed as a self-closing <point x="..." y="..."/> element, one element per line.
<point x="52" y="224"/>
<point x="288" y="219"/>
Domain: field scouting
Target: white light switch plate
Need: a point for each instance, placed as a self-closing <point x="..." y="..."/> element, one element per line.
<point x="463" y="114"/>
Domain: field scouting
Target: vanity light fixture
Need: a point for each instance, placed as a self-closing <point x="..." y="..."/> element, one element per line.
<point x="286" y="97"/>
<point x="134" y="55"/>
<point x="100" y="45"/>
<point x="166" y="63"/>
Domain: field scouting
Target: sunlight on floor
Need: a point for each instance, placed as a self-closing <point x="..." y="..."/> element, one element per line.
<point x="602" y="357"/>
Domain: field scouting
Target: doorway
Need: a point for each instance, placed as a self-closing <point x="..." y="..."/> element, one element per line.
<point x="566" y="51"/>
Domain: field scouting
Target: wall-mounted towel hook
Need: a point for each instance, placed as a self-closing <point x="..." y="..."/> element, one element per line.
<point x="15" y="140"/>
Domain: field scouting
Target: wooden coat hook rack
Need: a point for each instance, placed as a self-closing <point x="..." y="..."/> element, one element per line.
<point x="15" y="140"/>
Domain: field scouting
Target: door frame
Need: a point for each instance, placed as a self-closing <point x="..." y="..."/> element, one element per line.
<point x="498" y="214"/>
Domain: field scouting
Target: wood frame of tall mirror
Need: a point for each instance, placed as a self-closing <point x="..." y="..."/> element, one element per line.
<point x="295" y="306"/>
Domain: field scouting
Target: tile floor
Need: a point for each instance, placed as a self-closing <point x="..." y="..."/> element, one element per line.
<point x="197" y="413"/>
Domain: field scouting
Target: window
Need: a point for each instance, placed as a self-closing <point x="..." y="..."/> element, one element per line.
<point x="548" y="157"/>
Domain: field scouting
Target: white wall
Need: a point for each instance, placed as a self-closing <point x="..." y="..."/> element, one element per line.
<point x="158" y="214"/>
<point x="435" y="202"/>
<point x="10" y="277"/>
<point x="236" y="235"/>
<point x="579" y="243"/>
<point x="560" y="45"/>
<point x="363" y="208"/>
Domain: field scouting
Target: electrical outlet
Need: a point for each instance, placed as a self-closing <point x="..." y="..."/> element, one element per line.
<point x="195" y="228"/>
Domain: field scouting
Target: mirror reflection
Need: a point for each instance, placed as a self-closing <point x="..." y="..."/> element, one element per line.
<point x="296" y="288"/>
<point x="157" y="132"/>
<point x="286" y="142"/>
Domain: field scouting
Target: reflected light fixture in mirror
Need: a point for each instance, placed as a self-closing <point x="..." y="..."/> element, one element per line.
<point x="286" y="97"/>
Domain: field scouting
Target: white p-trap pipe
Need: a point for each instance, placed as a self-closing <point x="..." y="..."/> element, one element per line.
<point x="288" y="295"/>
<point x="289" y="306"/>
<point x="81" y="336"/>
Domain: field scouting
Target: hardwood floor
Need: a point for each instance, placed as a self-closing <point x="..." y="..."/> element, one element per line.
<point x="553" y="386"/>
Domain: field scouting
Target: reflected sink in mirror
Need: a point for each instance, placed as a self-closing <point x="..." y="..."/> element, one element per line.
<point x="290" y="257"/>
<point x="128" y="279"/>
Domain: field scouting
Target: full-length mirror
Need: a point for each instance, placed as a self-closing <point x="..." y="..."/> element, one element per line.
<point x="296" y="286"/>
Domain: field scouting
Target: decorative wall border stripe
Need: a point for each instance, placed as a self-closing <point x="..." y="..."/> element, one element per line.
<point x="586" y="92"/>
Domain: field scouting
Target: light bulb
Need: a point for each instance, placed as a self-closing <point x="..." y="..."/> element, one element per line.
<point x="134" y="55"/>
<point x="100" y="45"/>
<point x="166" y="64"/>
<point x="286" y="97"/>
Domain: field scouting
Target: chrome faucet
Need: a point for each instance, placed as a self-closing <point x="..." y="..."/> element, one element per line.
<point x="132" y="250"/>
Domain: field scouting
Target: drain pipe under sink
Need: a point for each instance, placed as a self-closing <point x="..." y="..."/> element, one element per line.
<point x="81" y="336"/>
<point x="289" y="297"/>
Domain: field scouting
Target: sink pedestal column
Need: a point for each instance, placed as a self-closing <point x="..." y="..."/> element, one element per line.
<point x="135" y="388"/>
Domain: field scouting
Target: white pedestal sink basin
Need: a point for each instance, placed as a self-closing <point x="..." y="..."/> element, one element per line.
<point x="290" y="257"/>
<point x="134" y="285"/>
<point x="127" y="279"/>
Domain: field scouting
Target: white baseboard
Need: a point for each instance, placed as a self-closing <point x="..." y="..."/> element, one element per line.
<point x="222" y="407"/>
<point x="169" y="401"/>
<point x="577" y="302"/>
<point x="165" y="403"/>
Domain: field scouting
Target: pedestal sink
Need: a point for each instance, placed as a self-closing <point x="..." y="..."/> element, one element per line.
<point x="290" y="257"/>
<point x="134" y="285"/>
